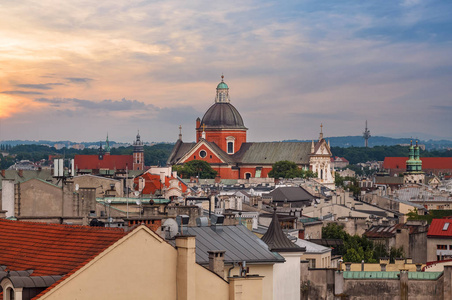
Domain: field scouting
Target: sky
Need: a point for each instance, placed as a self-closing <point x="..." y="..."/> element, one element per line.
<point x="79" y="70"/>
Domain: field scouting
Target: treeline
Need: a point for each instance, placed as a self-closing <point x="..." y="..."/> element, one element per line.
<point x="153" y="155"/>
<point x="378" y="153"/>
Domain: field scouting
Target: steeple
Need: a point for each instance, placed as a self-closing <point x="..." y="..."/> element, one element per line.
<point x="222" y="92"/>
<point x="180" y="132"/>
<point x="107" y="146"/>
<point x="138" y="144"/>
<point x="321" y="132"/>
<point x="277" y="240"/>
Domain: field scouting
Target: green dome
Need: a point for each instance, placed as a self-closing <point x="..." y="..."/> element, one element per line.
<point x="222" y="85"/>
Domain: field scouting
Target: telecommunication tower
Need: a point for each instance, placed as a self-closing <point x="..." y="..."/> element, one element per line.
<point x="366" y="136"/>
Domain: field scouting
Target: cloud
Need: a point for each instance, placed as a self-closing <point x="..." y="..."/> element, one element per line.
<point x="297" y="62"/>
<point x="43" y="86"/>
<point x="79" y="79"/>
<point x="104" y="105"/>
<point x="21" y="93"/>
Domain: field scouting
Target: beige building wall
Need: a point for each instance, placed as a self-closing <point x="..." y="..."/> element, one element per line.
<point x="101" y="184"/>
<point x="322" y="260"/>
<point x="38" y="198"/>
<point x="143" y="266"/>
<point x="265" y="270"/>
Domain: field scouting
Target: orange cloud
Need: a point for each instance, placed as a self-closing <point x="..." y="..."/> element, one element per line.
<point x="13" y="104"/>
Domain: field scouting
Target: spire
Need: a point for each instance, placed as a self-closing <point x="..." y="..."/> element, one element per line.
<point x="107" y="146"/>
<point x="276" y="239"/>
<point x="312" y="147"/>
<point x="180" y="132"/>
<point x="321" y="132"/>
<point x="138" y="144"/>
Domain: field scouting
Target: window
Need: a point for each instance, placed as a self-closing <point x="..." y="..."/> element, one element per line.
<point x="311" y="263"/>
<point x="202" y="153"/>
<point x="247" y="175"/>
<point x="446" y="225"/>
<point x="441" y="247"/>
<point x="230" y="147"/>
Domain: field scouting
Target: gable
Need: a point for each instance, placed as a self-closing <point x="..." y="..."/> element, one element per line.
<point x="321" y="148"/>
<point x="212" y="155"/>
<point x="131" y="268"/>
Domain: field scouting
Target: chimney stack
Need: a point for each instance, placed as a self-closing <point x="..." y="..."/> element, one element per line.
<point x="3" y="173"/>
<point x="21" y="173"/>
<point x="216" y="262"/>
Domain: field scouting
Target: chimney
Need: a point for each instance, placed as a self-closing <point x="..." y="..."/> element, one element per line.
<point x="216" y="262"/>
<point x="186" y="273"/>
<point x="217" y="179"/>
<point x="3" y="173"/>
<point x="21" y="173"/>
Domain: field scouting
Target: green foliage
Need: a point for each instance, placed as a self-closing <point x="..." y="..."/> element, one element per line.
<point x="285" y="169"/>
<point x="198" y="168"/>
<point x="432" y="214"/>
<point x="355" y="248"/>
<point x="350" y="183"/>
<point x="288" y="169"/>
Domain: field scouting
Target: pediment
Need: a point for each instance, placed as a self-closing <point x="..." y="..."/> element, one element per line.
<point x="195" y="151"/>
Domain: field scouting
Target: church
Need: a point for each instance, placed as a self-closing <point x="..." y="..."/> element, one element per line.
<point x="221" y="141"/>
<point x="105" y="161"/>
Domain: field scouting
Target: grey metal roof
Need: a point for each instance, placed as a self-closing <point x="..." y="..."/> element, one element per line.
<point x="271" y="152"/>
<point x="292" y="194"/>
<point x="239" y="243"/>
<point x="312" y="247"/>
<point x="266" y="153"/>
<point x="223" y="115"/>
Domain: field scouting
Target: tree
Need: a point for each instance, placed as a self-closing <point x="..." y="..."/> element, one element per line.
<point x="285" y="169"/>
<point x="198" y="168"/>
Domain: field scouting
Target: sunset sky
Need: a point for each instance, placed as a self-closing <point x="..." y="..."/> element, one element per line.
<point x="77" y="70"/>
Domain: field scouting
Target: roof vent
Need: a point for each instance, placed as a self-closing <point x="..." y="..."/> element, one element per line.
<point x="202" y="221"/>
<point x="217" y="220"/>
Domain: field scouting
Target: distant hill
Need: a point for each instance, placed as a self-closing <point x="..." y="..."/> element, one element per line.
<point x="358" y="141"/>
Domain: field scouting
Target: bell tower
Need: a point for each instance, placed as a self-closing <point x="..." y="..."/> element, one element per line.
<point x="138" y="153"/>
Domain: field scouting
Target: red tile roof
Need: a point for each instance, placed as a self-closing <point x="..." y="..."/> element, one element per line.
<point x="427" y="162"/>
<point x="152" y="183"/>
<point x="52" y="249"/>
<point x="110" y="162"/>
<point x="437" y="226"/>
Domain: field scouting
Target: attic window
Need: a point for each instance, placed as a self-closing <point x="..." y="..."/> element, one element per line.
<point x="446" y="225"/>
<point x="202" y="153"/>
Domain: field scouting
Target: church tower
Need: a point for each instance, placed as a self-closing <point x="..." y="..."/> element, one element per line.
<point x="138" y="154"/>
<point x="414" y="172"/>
<point x="222" y="124"/>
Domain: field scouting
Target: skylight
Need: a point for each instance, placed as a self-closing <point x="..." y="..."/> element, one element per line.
<point x="446" y="225"/>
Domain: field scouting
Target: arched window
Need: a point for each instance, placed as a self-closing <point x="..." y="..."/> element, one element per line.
<point x="230" y="147"/>
<point x="247" y="175"/>
<point x="230" y="144"/>
<point x="9" y="294"/>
